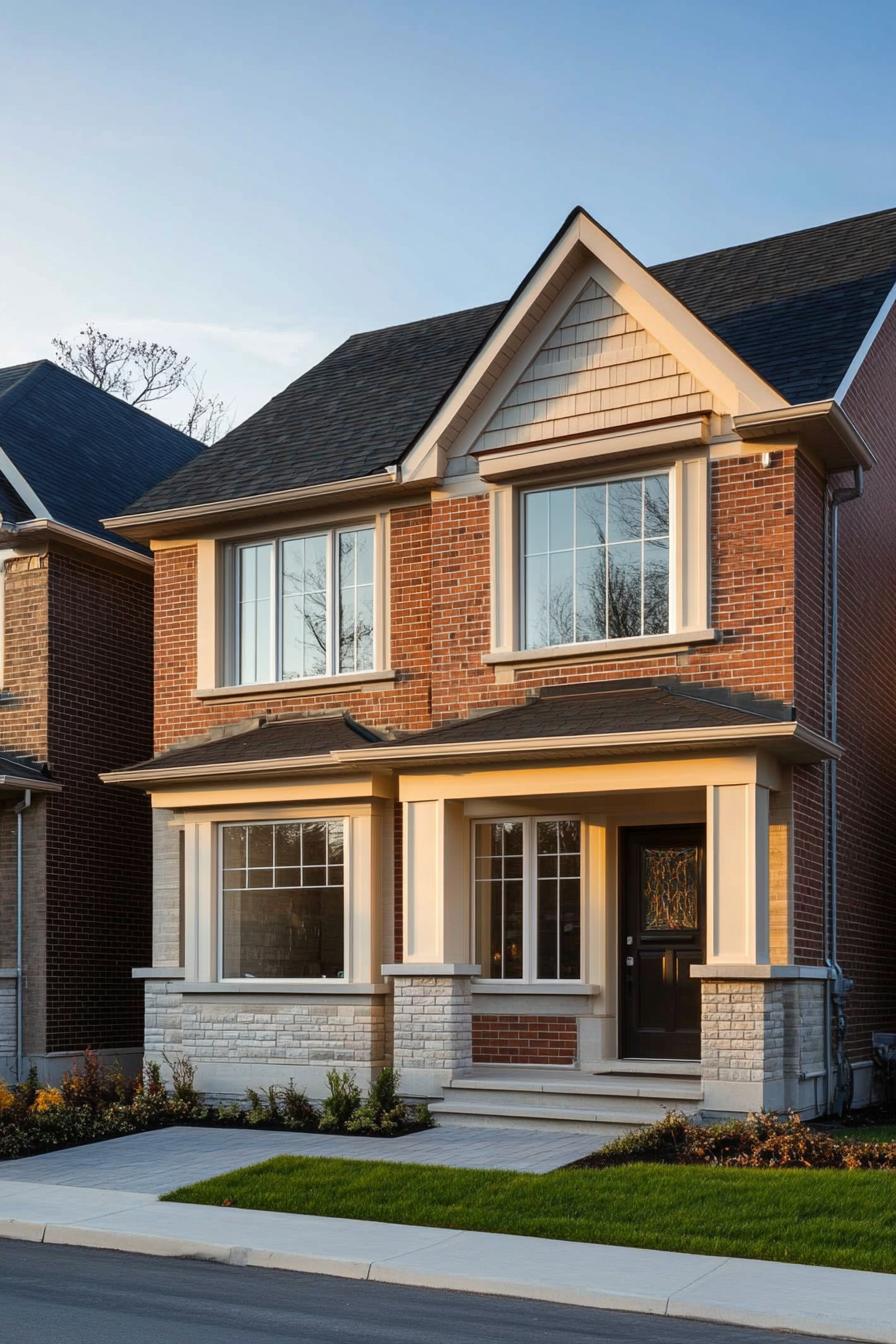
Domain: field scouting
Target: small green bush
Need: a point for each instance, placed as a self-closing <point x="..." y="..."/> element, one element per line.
<point x="384" y="1113"/>
<point x="341" y="1103"/>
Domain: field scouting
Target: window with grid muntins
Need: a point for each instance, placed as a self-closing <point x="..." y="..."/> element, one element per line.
<point x="303" y="606"/>
<point x="282" y="891"/>
<point x="595" y="561"/>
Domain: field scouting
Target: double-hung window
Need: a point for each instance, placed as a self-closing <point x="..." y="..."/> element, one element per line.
<point x="282" y="900"/>
<point x="528" y="899"/>
<point x="303" y="606"/>
<point x="595" y="561"/>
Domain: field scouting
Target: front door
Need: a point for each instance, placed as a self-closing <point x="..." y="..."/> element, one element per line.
<point x="663" y="934"/>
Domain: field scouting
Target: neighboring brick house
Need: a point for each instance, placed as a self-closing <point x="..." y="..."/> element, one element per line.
<point x="496" y="724"/>
<point x="76" y="699"/>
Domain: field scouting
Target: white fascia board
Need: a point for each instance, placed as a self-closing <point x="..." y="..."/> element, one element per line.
<point x="868" y="340"/>
<point x="22" y="488"/>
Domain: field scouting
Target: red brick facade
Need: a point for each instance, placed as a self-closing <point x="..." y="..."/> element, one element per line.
<point x="767" y="606"/>
<point x="509" y="1038"/>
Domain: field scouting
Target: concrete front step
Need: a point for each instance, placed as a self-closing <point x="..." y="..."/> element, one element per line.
<point x="568" y="1098"/>
<point x="603" y="1126"/>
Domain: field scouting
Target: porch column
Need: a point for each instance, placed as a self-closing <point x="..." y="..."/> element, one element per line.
<point x="742" y="1028"/>
<point x="433" y="1013"/>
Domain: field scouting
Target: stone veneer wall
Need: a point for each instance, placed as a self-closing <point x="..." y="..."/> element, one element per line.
<point x="291" y="1037"/>
<point x="743" y="1035"/>
<point x="7" y="1023"/>
<point x="166" y="915"/>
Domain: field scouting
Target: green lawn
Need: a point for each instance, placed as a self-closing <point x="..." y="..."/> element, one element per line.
<point x="842" y="1218"/>
<point x="868" y="1133"/>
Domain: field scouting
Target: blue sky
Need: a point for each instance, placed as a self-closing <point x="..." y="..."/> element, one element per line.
<point x="253" y="182"/>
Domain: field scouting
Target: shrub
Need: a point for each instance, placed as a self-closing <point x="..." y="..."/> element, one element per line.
<point x="761" y="1140"/>
<point x="384" y="1113"/>
<point x="48" y="1098"/>
<point x="343" y="1101"/>
<point x="183" y="1079"/>
<point x="296" y="1110"/>
<point x="7" y="1097"/>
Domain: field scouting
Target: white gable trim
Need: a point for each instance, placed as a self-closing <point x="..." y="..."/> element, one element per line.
<point x="671" y="324"/>
<point x="870" y="337"/>
<point x="22" y="488"/>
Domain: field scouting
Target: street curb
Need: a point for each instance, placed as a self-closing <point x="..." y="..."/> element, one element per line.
<point x="677" y="1305"/>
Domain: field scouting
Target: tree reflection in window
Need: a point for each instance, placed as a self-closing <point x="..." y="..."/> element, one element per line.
<point x="596" y="561"/>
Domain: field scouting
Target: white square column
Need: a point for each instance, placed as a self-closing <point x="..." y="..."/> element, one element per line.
<point x="737" y="874"/>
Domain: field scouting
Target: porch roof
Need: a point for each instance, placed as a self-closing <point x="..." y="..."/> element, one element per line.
<point x="610" y="718"/>
<point x="18" y="772"/>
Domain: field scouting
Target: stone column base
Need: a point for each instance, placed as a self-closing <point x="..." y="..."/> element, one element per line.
<point x="432" y="1025"/>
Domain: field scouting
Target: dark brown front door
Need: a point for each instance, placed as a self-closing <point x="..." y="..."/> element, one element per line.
<point x="663" y="923"/>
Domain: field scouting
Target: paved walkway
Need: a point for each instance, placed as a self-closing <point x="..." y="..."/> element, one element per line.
<point x="164" y="1159"/>
<point x="836" y="1303"/>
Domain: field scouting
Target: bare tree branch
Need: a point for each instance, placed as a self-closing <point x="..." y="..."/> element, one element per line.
<point x="144" y="372"/>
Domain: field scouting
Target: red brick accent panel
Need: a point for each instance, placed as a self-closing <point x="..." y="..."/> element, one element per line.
<point x="508" y="1038"/>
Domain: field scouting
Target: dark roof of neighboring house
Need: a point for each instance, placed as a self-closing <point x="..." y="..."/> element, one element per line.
<point x="84" y="452"/>
<point x="23" y="767"/>
<point x="269" y="740"/>
<point x="795" y="307"/>
<point x="637" y="706"/>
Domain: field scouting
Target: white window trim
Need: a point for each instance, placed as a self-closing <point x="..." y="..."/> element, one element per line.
<point x="347" y="888"/>
<point x="231" y="604"/>
<point x="689" y="561"/>
<point x="530" y="905"/>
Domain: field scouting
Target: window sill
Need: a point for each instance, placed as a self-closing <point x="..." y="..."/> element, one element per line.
<point x="570" y="987"/>
<point x="306" y="686"/>
<point x="157" y="973"/>
<point x="319" y="987"/>
<point x="605" y="650"/>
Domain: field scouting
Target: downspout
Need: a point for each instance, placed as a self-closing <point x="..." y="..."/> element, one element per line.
<point x="20" y="809"/>
<point x="837" y="1066"/>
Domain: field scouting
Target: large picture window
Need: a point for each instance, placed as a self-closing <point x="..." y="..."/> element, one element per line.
<point x="303" y="606"/>
<point x="282" y="891"/>
<point x="528" y="895"/>
<point x="595" y="561"/>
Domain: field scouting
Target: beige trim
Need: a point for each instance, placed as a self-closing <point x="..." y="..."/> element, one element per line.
<point x="752" y="971"/>
<point x="260" y="989"/>
<point x="602" y="650"/>
<point x="399" y="968"/>
<point x="162" y="522"/>
<point x="39" y="528"/>
<point x="288" y="689"/>
<point x="157" y="973"/>
<point x="500" y="464"/>
<point x="543" y="988"/>
<point x="808" y="744"/>
<point x="823" y="425"/>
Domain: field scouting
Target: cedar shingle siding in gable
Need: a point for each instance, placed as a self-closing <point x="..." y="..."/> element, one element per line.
<point x="597" y="370"/>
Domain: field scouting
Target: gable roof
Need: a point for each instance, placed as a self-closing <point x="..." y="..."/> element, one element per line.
<point x="82" y="452"/>
<point x="794" y="307"/>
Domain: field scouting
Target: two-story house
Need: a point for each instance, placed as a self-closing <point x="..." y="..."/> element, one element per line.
<point x="76" y="699"/>
<point x="523" y="697"/>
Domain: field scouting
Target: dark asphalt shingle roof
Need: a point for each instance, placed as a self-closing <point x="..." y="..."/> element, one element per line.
<point x="795" y="307"/>
<point x="84" y="452"/>
<point x="273" y="740"/>
<point x="612" y="707"/>
<point x="23" y="767"/>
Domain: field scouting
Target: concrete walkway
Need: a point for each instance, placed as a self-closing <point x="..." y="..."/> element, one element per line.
<point x="164" y="1159"/>
<point x="832" y="1303"/>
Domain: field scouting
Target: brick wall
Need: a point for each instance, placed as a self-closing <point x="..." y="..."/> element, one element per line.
<point x="508" y="1038"/>
<point x="99" y="842"/>
<point x="867" y="728"/>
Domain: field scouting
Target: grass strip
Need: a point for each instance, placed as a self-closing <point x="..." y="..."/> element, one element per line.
<point x="845" y="1219"/>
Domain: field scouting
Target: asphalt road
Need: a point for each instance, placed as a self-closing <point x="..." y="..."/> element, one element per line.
<point x="68" y="1295"/>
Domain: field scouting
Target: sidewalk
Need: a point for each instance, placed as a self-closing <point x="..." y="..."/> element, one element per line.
<point x="835" y="1303"/>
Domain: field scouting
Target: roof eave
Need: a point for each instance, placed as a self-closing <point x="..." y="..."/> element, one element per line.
<point x="10" y="783"/>
<point x="823" y="425"/>
<point x="153" y="776"/>
<point x="171" y="522"/>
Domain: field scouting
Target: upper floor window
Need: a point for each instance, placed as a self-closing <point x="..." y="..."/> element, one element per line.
<point x="595" y="561"/>
<point x="303" y="606"/>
